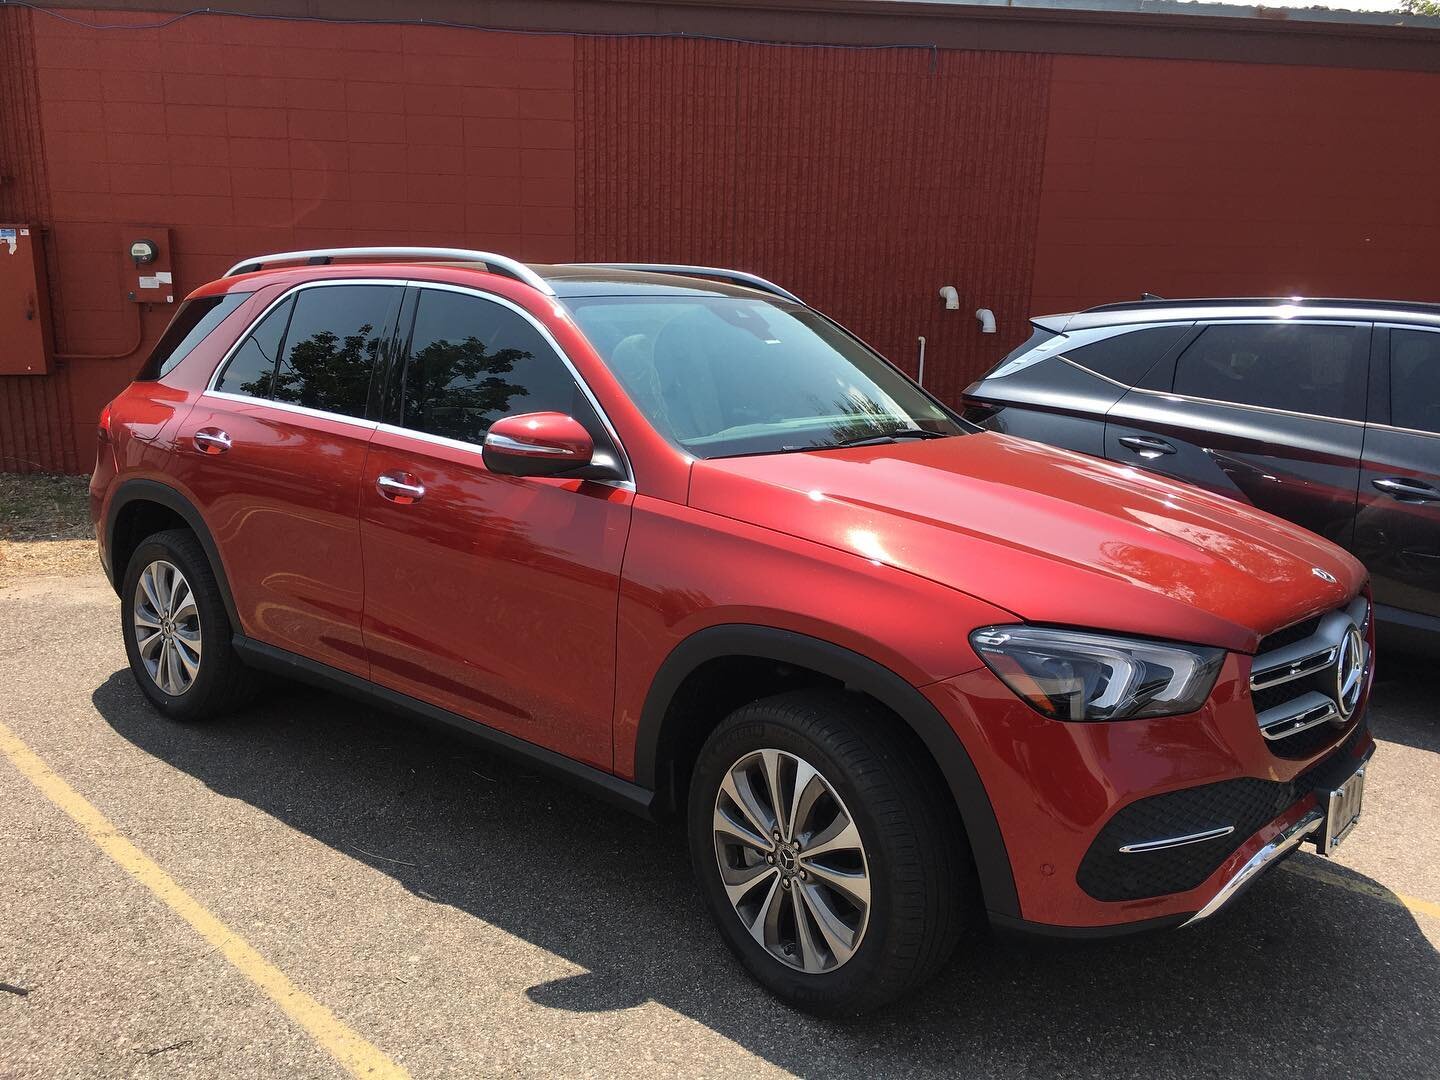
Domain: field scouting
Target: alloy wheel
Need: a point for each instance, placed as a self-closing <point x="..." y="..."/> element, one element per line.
<point x="166" y="624"/>
<point x="791" y="860"/>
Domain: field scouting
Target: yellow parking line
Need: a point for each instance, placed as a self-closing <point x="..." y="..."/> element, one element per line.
<point x="1365" y="888"/>
<point x="359" y="1057"/>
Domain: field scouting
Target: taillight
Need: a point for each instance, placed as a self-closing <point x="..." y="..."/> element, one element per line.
<point x="102" y="429"/>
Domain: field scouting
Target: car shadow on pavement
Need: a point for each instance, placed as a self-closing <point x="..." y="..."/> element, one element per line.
<point x="1301" y="978"/>
<point x="1406" y="705"/>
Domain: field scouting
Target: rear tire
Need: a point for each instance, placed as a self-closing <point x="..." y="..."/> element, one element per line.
<point x="177" y="631"/>
<point x="861" y="901"/>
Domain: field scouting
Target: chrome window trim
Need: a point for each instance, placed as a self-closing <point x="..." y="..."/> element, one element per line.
<point x="544" y="332"/>
<point x="1406" y="430"/>
<point x="1251" y="408"/>
<point x="285" y="406"/>
<point x="398" y="283"/>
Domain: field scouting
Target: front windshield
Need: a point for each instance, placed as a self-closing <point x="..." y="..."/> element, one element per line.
<point x="726" y="376"/>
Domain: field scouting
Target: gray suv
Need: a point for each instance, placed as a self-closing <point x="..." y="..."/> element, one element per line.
<point x="1325" y="412"/>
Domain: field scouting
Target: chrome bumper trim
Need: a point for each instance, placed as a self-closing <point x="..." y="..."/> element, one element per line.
<point x="1177" y="841"/>
<point x="1290" y="838"/>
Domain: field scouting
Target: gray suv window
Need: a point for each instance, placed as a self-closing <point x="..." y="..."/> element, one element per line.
<point x="1126" y="357"/>
<point x="1415" y="379"/>
<point x="1314" y="368"/>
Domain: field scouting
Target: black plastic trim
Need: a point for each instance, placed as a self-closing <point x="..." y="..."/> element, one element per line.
<point x="1012" y="924"/>
<point x="612" y="789"/>
<point x="139" y="490"/>
<point x="857" y="672"/>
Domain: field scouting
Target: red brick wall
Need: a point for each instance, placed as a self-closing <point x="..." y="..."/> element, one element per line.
<point x="1190" y="178"/>
<point x="863" y="179"/>
<point x="248" y="135"/>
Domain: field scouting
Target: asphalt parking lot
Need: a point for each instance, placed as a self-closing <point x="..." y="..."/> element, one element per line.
<point x="348" y="892"/>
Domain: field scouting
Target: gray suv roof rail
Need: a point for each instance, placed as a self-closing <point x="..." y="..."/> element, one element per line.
<point x="1150" y="304"/>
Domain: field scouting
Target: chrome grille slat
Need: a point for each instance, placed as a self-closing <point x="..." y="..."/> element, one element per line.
<point x="1310" y="664"/>
<point x="1306" y="711"/>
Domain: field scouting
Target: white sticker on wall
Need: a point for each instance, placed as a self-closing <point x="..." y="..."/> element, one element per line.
<point x="149" y="282"/>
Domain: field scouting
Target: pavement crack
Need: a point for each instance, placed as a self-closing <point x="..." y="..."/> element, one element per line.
<point x="166" y="1049"/>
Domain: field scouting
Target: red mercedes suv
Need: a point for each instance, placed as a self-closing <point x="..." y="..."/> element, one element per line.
<point x="677" y="536"/>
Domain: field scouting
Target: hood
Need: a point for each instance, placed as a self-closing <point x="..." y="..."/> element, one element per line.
<point x="1052" y="536"/>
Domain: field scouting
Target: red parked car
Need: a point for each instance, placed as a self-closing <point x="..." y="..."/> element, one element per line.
<point x="679" y="537"/>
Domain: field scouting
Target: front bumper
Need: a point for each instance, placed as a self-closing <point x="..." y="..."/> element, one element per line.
<point x="1077" y="803"/>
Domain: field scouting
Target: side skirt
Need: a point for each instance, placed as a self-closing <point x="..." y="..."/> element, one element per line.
<point x="603" y="785"/>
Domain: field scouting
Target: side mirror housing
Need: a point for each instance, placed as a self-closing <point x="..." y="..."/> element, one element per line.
<point x="537" y="444"/>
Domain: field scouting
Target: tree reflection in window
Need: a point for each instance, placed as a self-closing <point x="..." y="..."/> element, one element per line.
<point x="324" y="371"/>
<point x="456" y="388"/>
<point x="473" y="361"/>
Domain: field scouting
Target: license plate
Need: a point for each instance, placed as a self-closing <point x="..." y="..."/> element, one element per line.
<point x="1342" y="811"/>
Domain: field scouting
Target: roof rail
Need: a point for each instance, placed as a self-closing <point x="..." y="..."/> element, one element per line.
<point x="739" y="277"/>
<point x="499" y="264"/>
<point x="1418" y="306"/>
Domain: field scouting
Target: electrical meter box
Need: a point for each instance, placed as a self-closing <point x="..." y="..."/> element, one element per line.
<point x="25" y="342"/>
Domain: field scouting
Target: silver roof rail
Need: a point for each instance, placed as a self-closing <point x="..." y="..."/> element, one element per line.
<point x="755" y="281"/>
<point x="499" y="264"/>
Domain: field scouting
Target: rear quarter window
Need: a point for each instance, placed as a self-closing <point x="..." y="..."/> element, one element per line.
<point x="1126" y="358"/>
<point x="191" y="325"/>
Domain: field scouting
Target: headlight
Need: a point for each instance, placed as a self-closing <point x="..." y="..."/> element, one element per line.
<point x="1072" y="675"/>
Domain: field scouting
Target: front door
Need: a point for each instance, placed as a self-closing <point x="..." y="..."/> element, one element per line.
<point x="272" y="455"/>
<point x="1397" y="531"/>
<point x="1270" y="413"/>
<point x="491" y="596"/>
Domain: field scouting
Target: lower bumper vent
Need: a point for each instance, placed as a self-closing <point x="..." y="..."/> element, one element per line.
<point x="1247" y="804"/>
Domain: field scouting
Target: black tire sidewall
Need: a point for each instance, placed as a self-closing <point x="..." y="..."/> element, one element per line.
<point x="850" y="988"/>
<point x="184" y="552"/>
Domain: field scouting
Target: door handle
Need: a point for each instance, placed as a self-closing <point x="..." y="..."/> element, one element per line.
<point x="1408" y="491"/>
<point x="209" y="440"/>
<point x="1147" y="446"/>
<point x="400" y="487"/>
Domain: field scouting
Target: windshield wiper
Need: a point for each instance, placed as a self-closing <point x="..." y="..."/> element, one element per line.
<point x="890" y="437"/>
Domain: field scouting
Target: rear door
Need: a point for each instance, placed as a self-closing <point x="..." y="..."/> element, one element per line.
<point x="272" y="453"/>
<point x="1397" y="529"/>
<point x="1271" y="413"/>
<point x="491" y="596"/>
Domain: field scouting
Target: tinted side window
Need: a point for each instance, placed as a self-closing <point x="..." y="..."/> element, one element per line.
<point x="190" y="326"/>
<point x="473" y="361"/>
<point x="1127" y="357"/>
<point x="331" y="346"/>
<point x="252" y="368"/>
<point x="1306" y="368"/>
<point x="1415" y="379"/>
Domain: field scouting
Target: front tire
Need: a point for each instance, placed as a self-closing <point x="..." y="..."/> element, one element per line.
<point x="177" y="631"/>
<point x="828" y="851"/>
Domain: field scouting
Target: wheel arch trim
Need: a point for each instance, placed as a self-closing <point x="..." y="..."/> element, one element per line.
<point x="143" y="490"/>
<point x="857" y="672"/>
